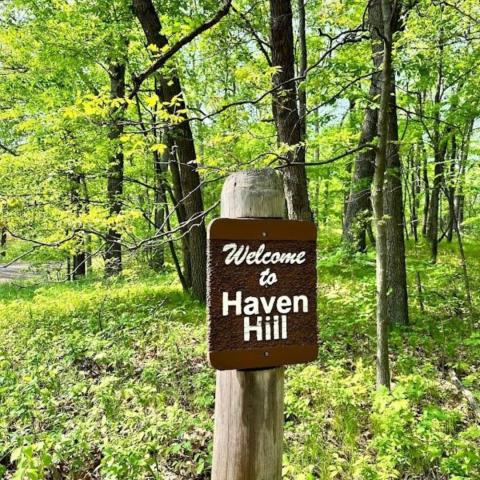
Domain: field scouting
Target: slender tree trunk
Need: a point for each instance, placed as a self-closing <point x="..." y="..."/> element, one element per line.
<point x="440" y="149"/>
<point x="157" y="260"/>
<point x="173" y="252"/>
<point x="426" y="188"/>
<point x="288" y="121"/>
<point x="79" y="264"/>
<point x="461" y="251"/>
<point x="88" y="237"/>
<point x="459" y="200"/>
<point x="192" y="199"/>
<point x="316" y="156"/>
<point x="181" y="217"/>
<point x="451" y="191"/>
<point x="302" y="69"/>
<point x="113" y="253"/>
<point x="415" y="188"/>
<point x="357" y="210"/>
<point x="358" y="206"/>
<point x="394" y="213"/>
<point x="382" y="9"/>
<point x="184" y="151"/>
<point x="3" y="241"/>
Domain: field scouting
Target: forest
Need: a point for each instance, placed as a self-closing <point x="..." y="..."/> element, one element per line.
<point x="120" y="121"/>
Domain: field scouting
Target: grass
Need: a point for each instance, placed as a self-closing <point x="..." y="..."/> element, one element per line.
<point x="110" y="380"/>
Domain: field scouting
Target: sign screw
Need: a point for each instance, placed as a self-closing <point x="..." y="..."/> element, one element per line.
<point x="266" y="354"/>
<point x="264" y="234"/>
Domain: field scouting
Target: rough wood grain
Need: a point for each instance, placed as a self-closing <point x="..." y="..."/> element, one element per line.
<point x="253" y="194"/>
<point x="249" y="404"/>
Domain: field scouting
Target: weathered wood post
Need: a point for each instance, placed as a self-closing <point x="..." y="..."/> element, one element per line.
<point x="249" y="404"/>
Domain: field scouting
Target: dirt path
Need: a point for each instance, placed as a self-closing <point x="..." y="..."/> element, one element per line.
<point x="18" y="271"/>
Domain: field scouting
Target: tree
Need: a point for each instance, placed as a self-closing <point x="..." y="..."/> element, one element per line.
<point x="358" y="206"/>
<point x="383" y="9"/>
<point x="394" y="212"/>
<point x="286" y="110"/>
<point x="183" y="156"/>
<point x="115" y="174"/>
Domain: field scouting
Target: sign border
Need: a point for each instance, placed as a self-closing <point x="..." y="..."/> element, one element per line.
<point x="258" y="229"/>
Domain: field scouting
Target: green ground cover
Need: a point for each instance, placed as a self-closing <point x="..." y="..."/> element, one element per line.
<point x="109" y="379"/>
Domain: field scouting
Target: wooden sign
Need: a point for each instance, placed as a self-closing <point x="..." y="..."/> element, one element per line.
<point x="261" y="293"/>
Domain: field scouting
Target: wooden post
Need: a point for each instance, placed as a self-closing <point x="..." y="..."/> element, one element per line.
<point x="249" y="404"/>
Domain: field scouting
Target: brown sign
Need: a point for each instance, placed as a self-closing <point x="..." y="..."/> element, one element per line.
<point x="261" y="293"/>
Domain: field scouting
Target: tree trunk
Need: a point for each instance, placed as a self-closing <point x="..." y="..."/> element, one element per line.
<point x="193" y="201"/>
<point x="287" y="121"/>
<point x="88" y="237"/>
<point x="79" y="264"/>
<point x="415" y="191"/>
<point x="393" y="209"/>
<point x="3" y="241"/>
<point x="184" y="151"/>
<point x="440" y="143"/>
<point x="440" y="150"/>
<point x="358" y="206"/>
<point x="316" y="156"/>
<point x="459" y="200"/>
<point x="382" y="9"/>
<point x="173" y="252"/>
<point x="157" y="259"/>
<point x="426" y="188"/>
<point x="302" y="70"/>
<point x="459" y="194"/>
<point x="179" y="208"/>
<point x="451" y="191"/>
<point x="113" y="253"/>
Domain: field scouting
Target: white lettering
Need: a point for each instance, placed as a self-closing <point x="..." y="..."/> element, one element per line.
<point x="276" y="333"/>
<point x="255" y="305"/>
<point x="259" y="253"/>
<point x="268" y="304"/>
<point x="234" y="255"/>
<point x="296" y="301"/>
<point x="284" y="327"/>
<point x="263" y="328"/>
<point x="252" y="328"/>
<point x="268" y="330"/>
<point x="237" y="303"/>
<point x="267" y="278"/>
<point x="284" y="304"/>
<point x="251" y="306"/>
<point x="239" y="254"/>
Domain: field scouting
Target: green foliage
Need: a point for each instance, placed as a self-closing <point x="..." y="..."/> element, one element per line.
<point x="112" y="377"/>
<point x="107" y="376"/>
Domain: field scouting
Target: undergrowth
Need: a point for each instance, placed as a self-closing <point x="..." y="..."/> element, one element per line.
<point x="109" y="379"/>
